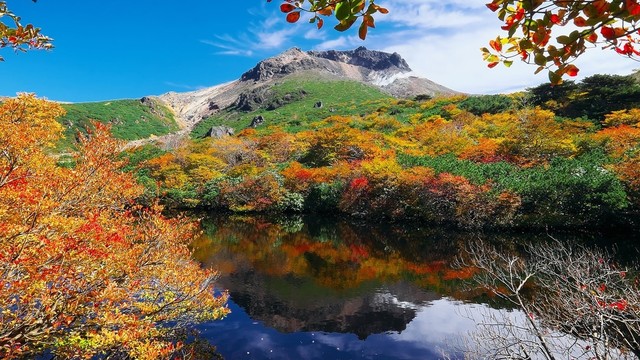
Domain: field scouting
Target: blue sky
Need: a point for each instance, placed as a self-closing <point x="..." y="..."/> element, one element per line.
<point x="129" y="49"/>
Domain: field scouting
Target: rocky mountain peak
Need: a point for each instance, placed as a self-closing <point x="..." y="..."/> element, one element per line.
<point x="388" y="72"/>
<point x="360" y="61"/>
<point x="283" y="64"/>
<point x="369" y="59"/>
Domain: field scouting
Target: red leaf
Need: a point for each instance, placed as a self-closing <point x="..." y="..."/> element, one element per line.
<point x="285" y="8"/>
<point x="495" y="45"/>
<point x="320" y="23"/>
<point x="493" y="6"/>
<point x="633" y="7"/>
<point x="293" y="16"/>
<point x="493" y="64"/>
<point x="555" y="19"/>
<point x="608" y="32"/>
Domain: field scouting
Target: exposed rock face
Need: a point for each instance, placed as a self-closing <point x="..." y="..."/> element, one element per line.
<point x="387" y="71"/>
<point x="369" y="59"/>
<point x="251" y="100"/>
<point x="290" y="61"/>
<point x="262" y="97"/>
<point x="220" y="131"/>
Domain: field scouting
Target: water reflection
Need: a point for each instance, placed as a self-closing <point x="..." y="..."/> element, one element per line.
<point x="305" y="288"/>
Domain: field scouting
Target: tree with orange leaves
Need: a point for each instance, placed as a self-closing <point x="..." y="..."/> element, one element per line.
<point x="84" y="271"/>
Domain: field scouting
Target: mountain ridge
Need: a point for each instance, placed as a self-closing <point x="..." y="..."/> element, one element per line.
<point x="375" y="68"/>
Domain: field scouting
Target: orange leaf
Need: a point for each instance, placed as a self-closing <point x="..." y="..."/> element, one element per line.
<point x="326" y="11"/>
<point x="580" y="21"/>
<point x="571" y="70"/>
<point x="362" y="33"/>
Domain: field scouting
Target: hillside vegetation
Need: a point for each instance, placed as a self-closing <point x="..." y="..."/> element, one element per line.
<point x="129" y="119"/>
<point x="488" y="161"/>
<point x="290" y="104"/>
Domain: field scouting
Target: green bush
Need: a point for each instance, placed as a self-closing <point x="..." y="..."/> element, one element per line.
<point x="487" y="104"/>
<point x="324" y="197"/>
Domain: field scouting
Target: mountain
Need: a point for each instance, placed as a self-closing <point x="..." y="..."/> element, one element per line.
<point x="388" y="73"/>
<point x="284" y="86"/>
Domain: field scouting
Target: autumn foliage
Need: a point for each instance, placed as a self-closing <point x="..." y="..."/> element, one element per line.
<point x="17" y="36"/>
<point x="443" y="161"/>
<point x="552" y="34"/>
<point x="84" y="270"/>
<point x="346" y="12"/>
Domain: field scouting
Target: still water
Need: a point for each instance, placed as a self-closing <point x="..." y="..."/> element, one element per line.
<point x="309" y="288"/>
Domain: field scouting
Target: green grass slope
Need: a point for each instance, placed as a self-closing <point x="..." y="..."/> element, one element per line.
<point x="130" y="119"/>
<point x="338" y="97"/>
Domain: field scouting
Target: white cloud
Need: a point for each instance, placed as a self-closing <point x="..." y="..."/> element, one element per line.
<point x="272" y="33"/>
<point x="429" y="15"/>
<point x="338" y="43"/>
<point x="451" y="55"/>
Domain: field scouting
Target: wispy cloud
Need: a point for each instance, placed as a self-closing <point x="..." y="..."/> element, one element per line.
<point x="184" y="86"/>
<point x="272" y="33"/>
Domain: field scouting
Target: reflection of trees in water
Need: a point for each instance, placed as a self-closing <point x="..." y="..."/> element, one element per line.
<point x="320" y="275"/>
<point x="327" y="276"/>
<point x="576" y="303"/>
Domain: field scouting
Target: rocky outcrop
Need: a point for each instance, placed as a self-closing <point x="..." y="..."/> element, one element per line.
<point x="262" y="97"/>
<point x="154" y="105"/>
<point x="220" y="131"/>
<point x="289" y="62"/>
<point x="368" y="59"/>
<point x="257" y="121"/>
<point x="251" y="100"/>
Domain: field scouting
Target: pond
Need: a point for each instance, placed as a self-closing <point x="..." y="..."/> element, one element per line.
<point x="311" y="288"/>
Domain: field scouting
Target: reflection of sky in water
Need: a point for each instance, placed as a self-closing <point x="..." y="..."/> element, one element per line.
<point x="438" y="328"/>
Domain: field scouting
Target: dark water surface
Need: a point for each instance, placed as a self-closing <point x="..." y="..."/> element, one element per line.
<point x="318" y="289"/>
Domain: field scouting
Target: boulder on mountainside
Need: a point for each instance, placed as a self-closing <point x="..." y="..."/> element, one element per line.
<point x="220" y="131"/>
<point x="257" y="121"/>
